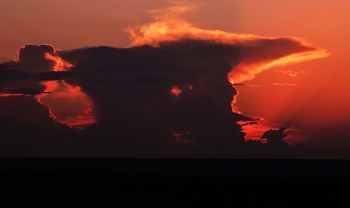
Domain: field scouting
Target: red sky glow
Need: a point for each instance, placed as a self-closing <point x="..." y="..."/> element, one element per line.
<point x="272" y="64"/>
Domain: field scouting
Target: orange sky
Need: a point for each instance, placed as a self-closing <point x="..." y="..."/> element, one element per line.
<point x="318" y="97"/>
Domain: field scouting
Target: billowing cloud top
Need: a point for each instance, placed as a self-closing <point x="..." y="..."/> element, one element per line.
<point x="256" y="53"/>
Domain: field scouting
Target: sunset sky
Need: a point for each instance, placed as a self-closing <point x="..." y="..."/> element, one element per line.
<point x="288" y="62"/>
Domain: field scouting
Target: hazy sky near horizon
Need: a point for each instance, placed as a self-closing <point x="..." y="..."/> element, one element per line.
<point x="311" y="97"/>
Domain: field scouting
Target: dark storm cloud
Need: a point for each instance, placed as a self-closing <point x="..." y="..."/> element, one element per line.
<point x="23" y="91"/>
<point x="201" y="62"/>
<point x="131" y="88"/>
<point x="151" y="65"/>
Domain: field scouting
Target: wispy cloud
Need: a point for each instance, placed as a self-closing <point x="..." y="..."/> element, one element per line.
<point x="292" y="73"/>
<point x="284" y="84"/>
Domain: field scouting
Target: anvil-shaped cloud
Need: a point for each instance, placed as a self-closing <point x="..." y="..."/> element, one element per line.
<point x="172" y="87"/>
<point x="253" y="53"/>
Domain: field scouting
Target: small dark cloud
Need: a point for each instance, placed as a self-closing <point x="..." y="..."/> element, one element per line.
<point x="276" y="137"/>
<point x="23" y="91"/>
<point x="10" y="73"/>
<point x="57" y="75"/>
<point x="251" y="123"/>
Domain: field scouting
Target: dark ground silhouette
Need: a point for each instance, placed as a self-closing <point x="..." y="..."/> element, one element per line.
<point x="176" y="182"/>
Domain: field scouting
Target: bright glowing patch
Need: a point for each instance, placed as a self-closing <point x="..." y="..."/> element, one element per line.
<point x="60" y="64"/>
<point x="176" y="91"/>
<point x="68" y="104"/>
<point x="233" y="107"/>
